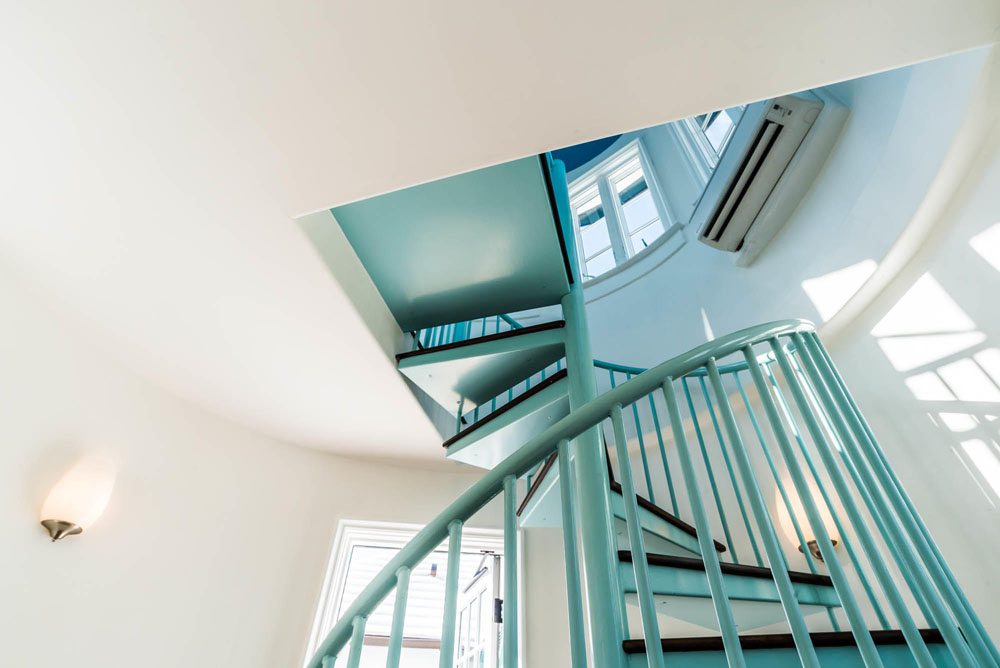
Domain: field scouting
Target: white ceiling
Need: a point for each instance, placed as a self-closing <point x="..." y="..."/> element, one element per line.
<point x="155" y="153"/>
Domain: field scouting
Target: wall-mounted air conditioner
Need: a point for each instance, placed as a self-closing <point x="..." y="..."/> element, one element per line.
<point x="776" y="152"/>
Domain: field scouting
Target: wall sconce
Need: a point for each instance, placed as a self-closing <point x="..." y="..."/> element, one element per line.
<point x="788" y="527"/>
<point x="79" y="498"/>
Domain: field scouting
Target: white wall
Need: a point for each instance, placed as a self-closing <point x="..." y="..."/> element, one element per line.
<point x="213" y="547"/>
<point x="901" y="125"/>
<point x="957" y="494"/>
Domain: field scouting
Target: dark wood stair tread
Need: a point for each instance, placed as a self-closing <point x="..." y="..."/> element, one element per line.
<point x="483" y="339"/>
<point x="510" y="405"/>
<point x="696" y="564"/>
<point x="667" y="517"/>
<point x="777" y="641"/>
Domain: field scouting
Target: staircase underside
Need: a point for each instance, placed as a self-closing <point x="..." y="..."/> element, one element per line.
<point x="477" y="370"/>
<point x="492" y="439"/>
<point x="464" y="247"/>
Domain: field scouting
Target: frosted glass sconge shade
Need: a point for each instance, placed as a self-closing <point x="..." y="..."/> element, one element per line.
<point x="788" y="526"/>
<point x="79" y="497"/>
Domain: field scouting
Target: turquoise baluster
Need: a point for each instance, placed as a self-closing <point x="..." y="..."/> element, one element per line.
<point x="509" y="572"/>
<point x="447" y="658"/>
<point x="859" y="628"/>
<point x="357" y="641"/>
<point x="729" y="468"/>
<point x="775" y="555"/>
<point x="663" y="454"/>
<point x="911" y="566"/>
<point x="642" y="447"/>
<point x="940" y="563"/>
<point x="398" y="618"/>
<point x="824" y="412"/>
<point x="724" y="614"/>
<point x="647" y="607"/>
<point x="907" y="626"/>
<point x="810" y="562"/>
<point x="711" y="475"/>
<point x="574" y="597"/>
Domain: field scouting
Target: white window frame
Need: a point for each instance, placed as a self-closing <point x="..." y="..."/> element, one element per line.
<point x="362" y="533"/>
<point x="614" y="216"/>
<point x="700" y="153"/>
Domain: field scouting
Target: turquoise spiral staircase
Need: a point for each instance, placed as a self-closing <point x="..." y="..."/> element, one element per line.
<point x="659" y="478"/>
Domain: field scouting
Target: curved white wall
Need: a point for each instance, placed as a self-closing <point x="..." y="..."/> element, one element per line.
<point x="213" y="547"/>
<point x="901" y="125"/>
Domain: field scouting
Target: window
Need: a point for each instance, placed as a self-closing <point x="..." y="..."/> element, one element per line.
<point x="705" y="137"/>
<point x="617" y="213"/>
<point x="362" y="549"/>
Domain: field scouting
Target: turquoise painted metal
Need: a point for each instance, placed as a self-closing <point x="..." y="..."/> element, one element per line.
<point x="717" y="587"/>
<point x="856" y="620"/>
<point x="431" y="250"/>
<point x="447" y="657"/>
<point x="819" y="397"/>
<point x="915" y="573"/>
<point x="357" y="641"/>
<point x="398" y="618"/>
<point x="929" y="541"/>
<point x="903" y="617"/>
<point x="647" y="608"/>
<point x="574" y="597"/>
<point x="789" y="598"/>
<point x="708" y="467"/>
<point x="475" y="372"/>
<point x="729" y="465"/>
<point x="509" y="572"/>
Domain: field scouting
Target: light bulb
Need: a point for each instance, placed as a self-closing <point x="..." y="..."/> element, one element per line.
<point x="788" y="527"/>
<point x="79" y="497"/>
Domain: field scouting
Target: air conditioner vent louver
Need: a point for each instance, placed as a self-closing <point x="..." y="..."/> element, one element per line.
<point x="760" y="149"/>
<point x="745" y="184"/>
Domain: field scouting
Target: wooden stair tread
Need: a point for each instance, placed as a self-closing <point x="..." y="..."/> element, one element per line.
<point x="777" y="641"/>
<point x="664" y="515"/>
<point x="483" y="339"/>
<point x="697" y="564"/>
<point x="510" y="405"/>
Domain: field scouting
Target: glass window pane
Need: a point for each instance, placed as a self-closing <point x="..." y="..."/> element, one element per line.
<point x="639" y="211"/>
<point x="600" y="264"/>
<point x="646" y="236"/>
<point x="595" y="237"/>
<point x="474" y="623"/>
<point x="718" y="130"/>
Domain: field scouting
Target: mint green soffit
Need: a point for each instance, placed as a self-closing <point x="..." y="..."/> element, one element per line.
<point x="463" y="247"/>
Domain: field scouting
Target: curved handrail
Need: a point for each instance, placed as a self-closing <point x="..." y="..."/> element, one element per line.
<point x="635" y="371"/>
<point x="536" y="449"/>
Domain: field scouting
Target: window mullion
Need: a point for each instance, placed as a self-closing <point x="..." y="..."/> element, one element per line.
<point x="614" y="217"/>
<point x="667" y="216"/>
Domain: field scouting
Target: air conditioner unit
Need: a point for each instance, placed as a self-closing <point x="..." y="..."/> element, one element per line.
<point x="775" y="153"/>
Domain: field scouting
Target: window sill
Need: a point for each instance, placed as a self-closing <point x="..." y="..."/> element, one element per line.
<point x="635" y="259"/>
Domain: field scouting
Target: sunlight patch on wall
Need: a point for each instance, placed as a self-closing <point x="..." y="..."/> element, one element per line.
<point x="709" y="334"/>
<point x="958" y="422"/>
<point x="975" y="478"/>
<point x="926" y="308"/>
<point x="929" y="387"/>
<point x="924" y="326"/>
<point x="968" y="381"/>
<point x="830" y="292"/>
<point x="910" y="352"/>
<point x="987" y="244"/>
<point x="984" y="458"/>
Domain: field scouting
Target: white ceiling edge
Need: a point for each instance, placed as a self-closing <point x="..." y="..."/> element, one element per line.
<point x="155" y="155"/>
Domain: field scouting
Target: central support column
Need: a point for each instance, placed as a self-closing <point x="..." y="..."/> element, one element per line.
<point x="600" y="568"/>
